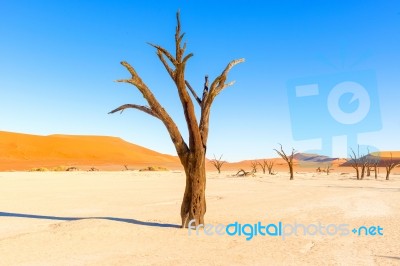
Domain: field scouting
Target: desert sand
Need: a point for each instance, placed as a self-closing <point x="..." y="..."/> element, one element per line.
<point x="132" y="218"/>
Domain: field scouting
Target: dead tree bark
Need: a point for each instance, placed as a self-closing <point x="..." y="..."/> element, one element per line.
<point x="288" y="159"/>
<point x="191" y="154"/>
<point x="217" y="163"/>
<point x="390" y="165"/>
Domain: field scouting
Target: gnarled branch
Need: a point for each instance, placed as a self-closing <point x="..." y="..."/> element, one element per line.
<point x="170" y="71"/>
<point x="166" y="53"/>
<point x="155" y="109"/>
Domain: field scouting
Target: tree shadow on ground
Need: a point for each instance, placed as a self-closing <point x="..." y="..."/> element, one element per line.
<point x="61" y="218"/>
<point x="388" y="257"/>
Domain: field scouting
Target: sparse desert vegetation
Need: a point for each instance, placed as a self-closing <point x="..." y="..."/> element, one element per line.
<point x="39" y="169"/>
<point x="153" y="169"/>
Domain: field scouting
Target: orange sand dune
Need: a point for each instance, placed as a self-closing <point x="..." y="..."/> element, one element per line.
<point x="387" y="154"/>
<point x="23" y="152"/>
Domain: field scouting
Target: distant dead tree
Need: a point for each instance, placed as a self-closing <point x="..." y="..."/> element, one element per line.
<point x="390" y="165"/>
<point x="266" y="165"/>
<point x="288" y="159"/>
<point x="369" y="169"/>
<point x="254" y="165"/>
<point x="263" y="165"/>
<point x="327" y="170"/>
<point x="217" y="163"/>
<point x="355" y="161"/>
<point x="191" y="153"/>
<point x="270" y="165"/>
<point x="242" y="172"/>
<point x="373" y="166"/>
<point x="364" y="163"/>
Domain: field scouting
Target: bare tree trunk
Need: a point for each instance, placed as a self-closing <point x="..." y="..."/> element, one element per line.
<point x="194" y="201"/>
<point x="291" y="171"/>
<point x="362" y="171"/>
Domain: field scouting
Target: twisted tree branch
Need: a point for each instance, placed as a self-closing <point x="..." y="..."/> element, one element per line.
<point x="155" y="109"/>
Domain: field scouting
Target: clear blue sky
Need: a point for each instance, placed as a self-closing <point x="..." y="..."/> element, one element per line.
<point x="58" y="61"/>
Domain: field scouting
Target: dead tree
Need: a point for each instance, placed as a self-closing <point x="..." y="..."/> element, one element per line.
<point x="390" y="165"/>
<point x="217" y="163"/>
<point x="328" y="169"/>
<point x="270" y="165"/>
<point x="288" y="159"/>
<point x="355" y="161"/>
<point x="191" y="153"/>
<point x="364" y="162"/>
<point x="364" y="166"/>
<point x="254" y="165"/>
<point x="375" y="167"/>
<point x="373" y="164"/>
<point x="369" y="169"/>
<point x="242" y="172"/>
<point x="263" y="165"/>
<point x="266" y="165"/>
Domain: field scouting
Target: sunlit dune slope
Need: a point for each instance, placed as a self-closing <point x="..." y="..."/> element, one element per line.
<point x="23" y="151"/>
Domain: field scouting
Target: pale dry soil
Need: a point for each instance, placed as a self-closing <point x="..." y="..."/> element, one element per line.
<point x="130" y="218"/>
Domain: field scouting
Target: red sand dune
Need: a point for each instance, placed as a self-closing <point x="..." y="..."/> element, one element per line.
<point x="24" y="152"/>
